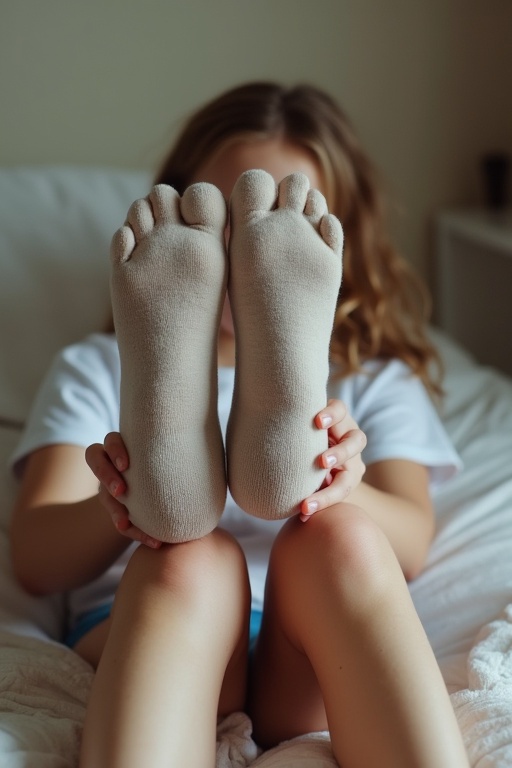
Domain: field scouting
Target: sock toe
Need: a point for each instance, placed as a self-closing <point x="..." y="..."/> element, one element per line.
<point x="293" y="192"/>
<point x="140" y="218"/>
<point x="255" y="190"/>
<point x="123" y="243"/>
<point x="316" y="207"/>
<point x="203" y="204"/>
<point x="165" y="202"/>
<point x="332" y="233"/>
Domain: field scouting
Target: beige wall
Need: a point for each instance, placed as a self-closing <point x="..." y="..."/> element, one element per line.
<point x="427" y="82"/>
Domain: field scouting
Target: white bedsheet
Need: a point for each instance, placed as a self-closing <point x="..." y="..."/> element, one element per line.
<point x="468" y="580"/>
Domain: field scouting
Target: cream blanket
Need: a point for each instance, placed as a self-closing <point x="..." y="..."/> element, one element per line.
<point x="484" y="709"/>
<point x="43" y="696"/>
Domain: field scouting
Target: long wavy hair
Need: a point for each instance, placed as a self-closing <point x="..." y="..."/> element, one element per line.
<point x="382" y="307"/>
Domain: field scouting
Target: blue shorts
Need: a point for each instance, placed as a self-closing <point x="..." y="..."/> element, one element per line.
<point x="89" y="620"/>
<point x="85" y="622"/>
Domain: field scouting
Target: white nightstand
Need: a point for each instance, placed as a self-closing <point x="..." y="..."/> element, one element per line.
<point x="473" y="282"/>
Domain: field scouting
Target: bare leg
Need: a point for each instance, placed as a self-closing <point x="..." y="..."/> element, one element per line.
<point x="175" y="656"/>
<point x="342" y="647"/>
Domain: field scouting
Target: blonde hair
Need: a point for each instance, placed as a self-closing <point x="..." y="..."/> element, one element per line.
<point x="382" y="307"/>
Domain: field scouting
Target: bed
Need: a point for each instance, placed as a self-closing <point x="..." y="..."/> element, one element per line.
<point x="55" y="227"/>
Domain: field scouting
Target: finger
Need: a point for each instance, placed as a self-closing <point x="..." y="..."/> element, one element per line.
<point x="92" y="453"/>
<point x="143" y="538"/>
<point x="335" y="493"/>
<point x="121" y="521"/>
<point x="116" y="450"/>
<point x="135" y="534"/>
<point x="337" y="455"/>
<point x="116" y="510"/>
<point x="102" y="467"/>
<point x="334" y="412"/>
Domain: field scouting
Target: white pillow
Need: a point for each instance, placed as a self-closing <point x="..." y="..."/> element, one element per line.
<point x="55" y="229"/>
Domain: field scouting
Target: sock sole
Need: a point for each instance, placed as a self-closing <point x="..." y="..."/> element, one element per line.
<point x="285" y="274"/>
<point x="168" y="280"/>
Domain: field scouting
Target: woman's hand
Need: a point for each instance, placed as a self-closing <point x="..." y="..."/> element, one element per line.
<point x="108" y="462"/>
<point x="342" y="459"/>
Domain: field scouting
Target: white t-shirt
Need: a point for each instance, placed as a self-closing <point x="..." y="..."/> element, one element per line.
<point x="78" y="404"/>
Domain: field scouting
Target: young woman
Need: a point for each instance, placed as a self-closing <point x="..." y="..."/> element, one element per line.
<point x="320" y="599"/>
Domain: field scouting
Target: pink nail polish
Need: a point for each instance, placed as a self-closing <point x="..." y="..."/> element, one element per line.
<point x="117" y="521"/>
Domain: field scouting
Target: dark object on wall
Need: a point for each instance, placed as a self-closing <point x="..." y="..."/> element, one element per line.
<point x="496" y="166"/>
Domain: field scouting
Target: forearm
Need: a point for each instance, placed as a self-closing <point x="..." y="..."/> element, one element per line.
<point x="408" y="526"/>
<point x="57" y="547"/>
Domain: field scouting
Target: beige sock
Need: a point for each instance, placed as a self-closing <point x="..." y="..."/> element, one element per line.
<point x="285" y="273"/>
<point x="168" y="279"/>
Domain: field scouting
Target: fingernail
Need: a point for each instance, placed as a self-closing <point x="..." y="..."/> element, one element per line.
<point x="312" y="507"/>
<point x="114" y="487"/>
<point x="330" y="460"/>
<point x="119" y="464"/>
<point x="326" y="421"/>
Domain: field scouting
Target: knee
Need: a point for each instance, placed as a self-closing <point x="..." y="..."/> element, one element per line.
<point x="340" y="549"/>
<point x="198" y="570"/>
